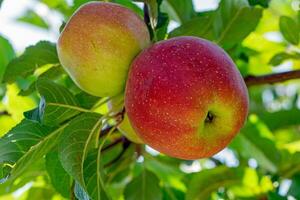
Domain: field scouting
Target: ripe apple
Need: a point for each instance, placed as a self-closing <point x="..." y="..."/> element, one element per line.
<point x="185" y="97"/>
<point x="116" y="105"/>
<point x="98" y="44"/>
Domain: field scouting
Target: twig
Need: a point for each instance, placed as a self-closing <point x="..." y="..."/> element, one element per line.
<point x="271" y="78"/>
<point x="72" y="195"/>
<point x="146" y="14"/>
<point x="126" y="144"/>
<point x="4" y="113"/>
<point x="117" y="141"/>
<point x="119" y="118"/>
<point x="105" y="131"/>
<point x="215" y="161"/>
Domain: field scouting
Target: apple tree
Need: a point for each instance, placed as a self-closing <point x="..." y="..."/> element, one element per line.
<point x="65" y="133"/>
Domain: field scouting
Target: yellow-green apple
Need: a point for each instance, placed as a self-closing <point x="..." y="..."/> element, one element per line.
<point x="185" y="97"/>
<point x="98" y="44"/>
<point x="116" y="105"/>
<point x="126" y="129"/>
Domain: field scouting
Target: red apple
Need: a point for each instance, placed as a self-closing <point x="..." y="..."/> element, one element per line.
<point x="185" y="97"/>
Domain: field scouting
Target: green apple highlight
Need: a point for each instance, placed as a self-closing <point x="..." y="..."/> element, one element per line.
<point x="185" y="98"/>
<point x="98" y="44"/>
<point x="115" y="106"/>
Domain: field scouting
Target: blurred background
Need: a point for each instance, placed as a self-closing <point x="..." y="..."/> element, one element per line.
<point x="273" y="129"/>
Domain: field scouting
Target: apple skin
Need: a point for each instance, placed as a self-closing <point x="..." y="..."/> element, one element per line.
<point x="98" y="45"/>
<point x="116" y="105"/>
<point x="185" y="98"/>
<point x="126" y="129"/>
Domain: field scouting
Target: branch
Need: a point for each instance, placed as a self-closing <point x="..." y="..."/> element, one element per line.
<point x="72" y="195"/>
<point x="126" y="144"/>
<point x="271" y="78"/>
<point x="4" y="113"/>
<point x="105" y="131"/>
<point x="117" y="141"/>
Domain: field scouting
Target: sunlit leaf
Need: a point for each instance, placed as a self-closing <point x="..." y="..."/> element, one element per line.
<point x="289" y="29"/>
<point x="34" y="57"/>
<point x="200" y="26"/>
<point x="6" y="54"/>
<point x="148" y="187"/>
<point x="40" y="193"/>
<point x="204" y="183"/>
<point x="235" y="20"/>
<point x="32" y="18"/>
<point x="279" y="58"/>
<point x="263" y="3"/>
<point x="180" y="11"/>
<point x="255" y="141"/>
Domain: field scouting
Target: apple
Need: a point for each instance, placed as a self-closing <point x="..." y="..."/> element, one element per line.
<point x="185" y="98"/>
<point x="98" y="44"/>
<point x="115" y="105"/>
<point x="126" y="129"/>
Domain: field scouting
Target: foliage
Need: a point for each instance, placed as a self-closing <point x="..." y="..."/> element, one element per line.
<point x="65" y="145"/>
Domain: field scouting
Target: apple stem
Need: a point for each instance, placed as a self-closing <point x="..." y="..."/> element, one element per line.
<point x="271" y="78"/>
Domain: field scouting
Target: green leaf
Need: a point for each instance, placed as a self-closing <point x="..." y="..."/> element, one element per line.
<point x="17" y="142"/>
<point x="93" y="172"/>
<point x="169" y="173"/>
<point x="37" y="169"/>
<point x="263" y="3"/>
<point x="162" y="26"/>
<point x="36" y="152"/>
<point x="255" y="141"/>
<point x="204" y="183"/>
<point x="290" y="164"/>
<point x="60" y="180"/>
<point x="231" y="23"/>
<point x="129" y="4"/>
<point x="53" y="73"/>
<point x="172" y="194"/>
<point x="200" y="26"/>
<point x="57" y="104"/>
<point x="277" y="120"/>
<point x="32" y="18"/>
<point x="80" y="193"/>
<point x="279" y="58"/>
<point x="34" y="57"/>
<point x="234" y="21"/>
<point x="144" y="187"/>
<point x="294" y="189"/>
<point x="40" y="193"/>
<point x="6" y="54"/>
<point x="289" y="29"/>
<point x="275" y="196"/>
<point x="76" y="141"/>
<point x="87" y="101"/>
<point x="78" y="3"/>
<point x="180" y="11"/>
